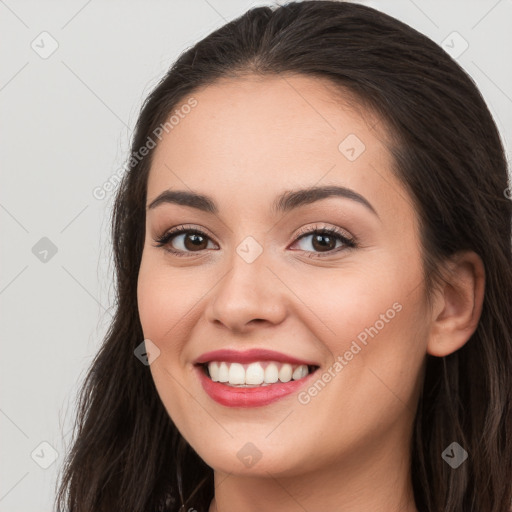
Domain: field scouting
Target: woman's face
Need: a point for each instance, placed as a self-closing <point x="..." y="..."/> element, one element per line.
<point x="260" y="277"/>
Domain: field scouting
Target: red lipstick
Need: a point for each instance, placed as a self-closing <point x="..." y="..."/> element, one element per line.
<point x="256" y="396"/>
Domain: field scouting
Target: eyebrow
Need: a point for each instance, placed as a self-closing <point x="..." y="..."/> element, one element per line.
<point x="286" y="202"/>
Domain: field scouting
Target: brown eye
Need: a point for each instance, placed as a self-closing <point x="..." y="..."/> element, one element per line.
<point x="326" y="241"/>
<point x="194" y="241"/>
<point x="182" y="241"/>
<point x="322" y="242"/>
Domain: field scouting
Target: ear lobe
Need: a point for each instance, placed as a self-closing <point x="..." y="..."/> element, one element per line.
<point x="458" y="305"/>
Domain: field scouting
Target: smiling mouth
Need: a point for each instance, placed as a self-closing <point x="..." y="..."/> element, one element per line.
<point x="255" y="374"/>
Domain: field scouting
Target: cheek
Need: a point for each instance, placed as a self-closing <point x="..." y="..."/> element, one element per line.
<point x="165" y="303"/>
<point x="375" y="321"/>
<point x="164" y="297"/>
<point x="343" y="302"/>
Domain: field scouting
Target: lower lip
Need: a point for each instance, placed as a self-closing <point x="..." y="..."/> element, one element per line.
<point x="249" y="397"/>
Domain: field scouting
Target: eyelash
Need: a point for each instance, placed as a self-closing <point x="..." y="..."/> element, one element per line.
<point x="350" y="243"/>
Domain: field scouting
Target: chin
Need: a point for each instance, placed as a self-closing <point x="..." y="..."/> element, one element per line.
<point x="258" y="458"/>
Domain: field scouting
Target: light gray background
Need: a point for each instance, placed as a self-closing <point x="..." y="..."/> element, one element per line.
<point x="66" y="124"/>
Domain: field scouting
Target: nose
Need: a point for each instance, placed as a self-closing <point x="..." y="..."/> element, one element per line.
<point x="249" y="295"/>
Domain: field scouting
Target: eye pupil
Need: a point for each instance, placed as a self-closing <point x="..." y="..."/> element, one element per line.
<point x="324" y="241"/>
<point x="195" y="239"/>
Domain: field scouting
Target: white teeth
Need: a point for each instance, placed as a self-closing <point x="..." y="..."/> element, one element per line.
<point x="271" y="373"/>
<point x="223" y="372"/>
<point x="236" y="374"/>
<point x="299" y="372"/>
<point x="213" y="368"/>
<point x="256" y="373"/>
<point x="285" y="373"/>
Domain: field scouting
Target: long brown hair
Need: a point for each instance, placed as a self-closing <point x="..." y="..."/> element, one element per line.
<point x="128" y="455"/>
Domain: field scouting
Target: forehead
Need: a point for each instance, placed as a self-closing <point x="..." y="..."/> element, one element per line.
<point x="264" y="135"/>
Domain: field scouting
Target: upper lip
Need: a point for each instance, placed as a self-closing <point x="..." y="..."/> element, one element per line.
<point x="248" y="356"/>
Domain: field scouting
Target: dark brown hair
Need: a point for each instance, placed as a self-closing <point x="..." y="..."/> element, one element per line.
<point x="128" y="455"/>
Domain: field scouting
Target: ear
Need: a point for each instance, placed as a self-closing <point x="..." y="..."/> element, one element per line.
<point x="458" y="304"/>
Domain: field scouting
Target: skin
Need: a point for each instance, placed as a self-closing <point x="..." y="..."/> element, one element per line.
<point x="247" y="141"/>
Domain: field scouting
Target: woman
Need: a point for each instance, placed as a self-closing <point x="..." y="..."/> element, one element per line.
<point x="314" y="282"/>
